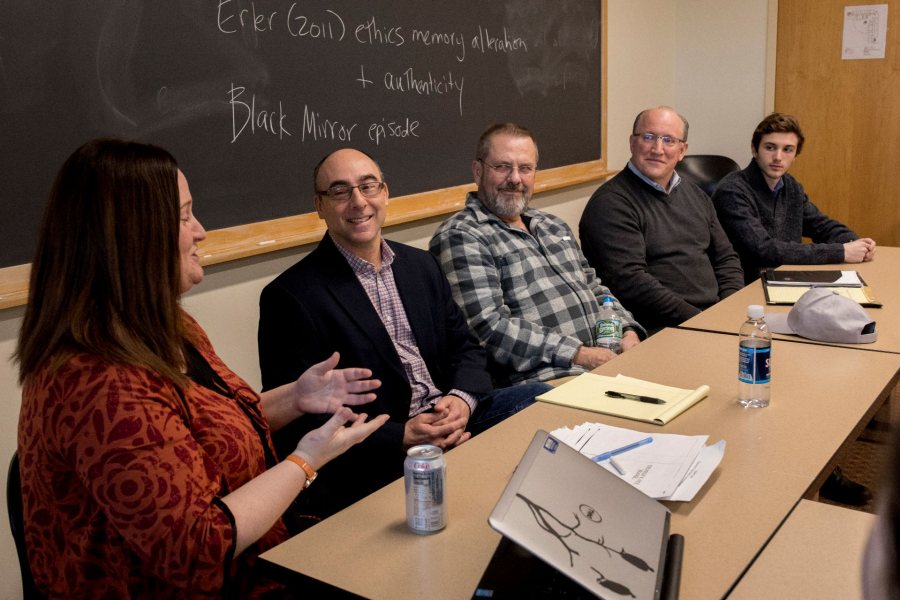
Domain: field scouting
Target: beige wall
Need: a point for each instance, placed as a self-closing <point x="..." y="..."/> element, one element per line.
<point x="705" y="57"/>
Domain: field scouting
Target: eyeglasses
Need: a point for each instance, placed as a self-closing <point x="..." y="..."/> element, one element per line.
<point x="506" y="169"/>
<point x="650" y="139"/>
<point x="342" y="193"/>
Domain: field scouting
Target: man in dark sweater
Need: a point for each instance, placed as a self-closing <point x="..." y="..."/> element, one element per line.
<point x="765" y="211"/>
<point x="653" y="237"/>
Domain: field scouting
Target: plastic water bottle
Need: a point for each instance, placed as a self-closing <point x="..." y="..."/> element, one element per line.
<point x="608" y="330"/>
<point x="755" y="359"/>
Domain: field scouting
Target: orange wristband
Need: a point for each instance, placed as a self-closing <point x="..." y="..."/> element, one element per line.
<point x="307" y="469"/>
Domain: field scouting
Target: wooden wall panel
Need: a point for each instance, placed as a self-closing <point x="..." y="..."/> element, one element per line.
<point x="850" y="114"/>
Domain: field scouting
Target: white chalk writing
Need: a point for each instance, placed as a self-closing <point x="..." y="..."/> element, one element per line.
<point x="486" y="42"/>
<point x="370" y="33"/>
<point x="329" y="26"/>
<point x="408" y="81"/>
<point x="432" y="38"/>
<point x="244" y="114"/>
<point x="402" y="128"/>
<point x="318" y="128"/>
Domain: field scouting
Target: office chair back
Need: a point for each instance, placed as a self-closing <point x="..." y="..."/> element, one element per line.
<point x="706" y="170"/>
<point x="17" y="526"/>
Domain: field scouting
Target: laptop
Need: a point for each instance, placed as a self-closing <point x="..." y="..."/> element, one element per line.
<point x="573" y="530"/>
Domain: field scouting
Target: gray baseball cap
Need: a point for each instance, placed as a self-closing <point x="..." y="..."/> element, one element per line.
<point x="823" y="315"/>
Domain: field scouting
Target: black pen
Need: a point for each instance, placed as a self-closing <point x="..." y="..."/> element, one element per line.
<point x="638" y="397"/>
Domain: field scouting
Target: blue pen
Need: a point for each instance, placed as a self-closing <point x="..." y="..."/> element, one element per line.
<point x="605" y="455"/>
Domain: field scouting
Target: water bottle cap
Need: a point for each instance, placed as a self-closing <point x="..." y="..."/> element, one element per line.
<point x="607" y="300"/>
<point x="755" y="311"/>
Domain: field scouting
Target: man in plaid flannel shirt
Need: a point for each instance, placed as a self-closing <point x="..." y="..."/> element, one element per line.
<point x="518" y="274"/>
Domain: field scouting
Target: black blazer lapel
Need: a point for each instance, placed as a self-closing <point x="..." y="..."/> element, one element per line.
<point x="348" y="294"/>
<point x="415" y="293"/>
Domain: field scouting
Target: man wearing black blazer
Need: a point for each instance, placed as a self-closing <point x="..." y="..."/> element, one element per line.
<point x="387" y="307"/>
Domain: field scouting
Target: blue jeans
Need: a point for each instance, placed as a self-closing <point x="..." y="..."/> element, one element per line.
<point x="502" y="403"/>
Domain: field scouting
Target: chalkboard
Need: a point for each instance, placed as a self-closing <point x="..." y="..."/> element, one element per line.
<point x="249" y="95"/>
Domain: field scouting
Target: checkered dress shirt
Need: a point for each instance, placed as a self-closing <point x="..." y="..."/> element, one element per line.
<point x="532" y="300"/>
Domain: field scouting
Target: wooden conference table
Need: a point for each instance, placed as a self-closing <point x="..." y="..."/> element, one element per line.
<point x="817" y="553"/>
<point x="882" y="275"/>
<point x="821" y="396"/>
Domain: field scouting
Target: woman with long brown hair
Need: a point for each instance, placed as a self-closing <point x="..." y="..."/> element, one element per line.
<point x="147" y="465"/>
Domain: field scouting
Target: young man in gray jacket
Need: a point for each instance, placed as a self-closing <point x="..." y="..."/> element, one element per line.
<point x="766" y="213"/>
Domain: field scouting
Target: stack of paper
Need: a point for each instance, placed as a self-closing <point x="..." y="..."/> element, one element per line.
<point x="671" y="467"/>
<point x="588" y="391"/>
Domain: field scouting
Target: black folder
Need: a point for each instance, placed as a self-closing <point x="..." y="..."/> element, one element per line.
<point x="826" y="278"/>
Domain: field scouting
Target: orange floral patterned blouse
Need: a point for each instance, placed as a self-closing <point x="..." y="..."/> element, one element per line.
<point x="122" y="479"/>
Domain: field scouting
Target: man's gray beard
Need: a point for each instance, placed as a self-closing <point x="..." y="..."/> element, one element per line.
<point x="506" y="210"/>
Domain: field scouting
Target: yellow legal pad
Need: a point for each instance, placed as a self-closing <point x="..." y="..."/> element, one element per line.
<point x="790" y="294"/>
<point x="587" y="392"/>
<point x="785" y="286"/>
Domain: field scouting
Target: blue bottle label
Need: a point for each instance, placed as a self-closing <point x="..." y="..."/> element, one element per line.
<point x="754" y="364"/>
